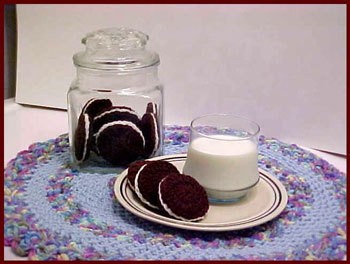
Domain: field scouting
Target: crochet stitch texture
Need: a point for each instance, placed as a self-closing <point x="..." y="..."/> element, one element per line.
<point x="53" y="212"/>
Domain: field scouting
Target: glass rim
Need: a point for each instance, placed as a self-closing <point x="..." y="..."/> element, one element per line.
<point x="256" y="132"/>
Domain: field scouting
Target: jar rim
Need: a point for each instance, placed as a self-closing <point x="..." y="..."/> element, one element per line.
<point x="227" y="116"/>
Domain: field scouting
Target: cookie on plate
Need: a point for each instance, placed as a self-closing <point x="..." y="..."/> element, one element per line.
<point x="82" y="138"/>
<point x="147" y="181"/>
<point x="151" y="133"/>
<point x="182" y="197"/>
<point x="132" y="171"/>
<point x="120" y="142"/>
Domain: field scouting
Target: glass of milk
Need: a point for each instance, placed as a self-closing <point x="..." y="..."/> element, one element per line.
<point x="223" y="156"/>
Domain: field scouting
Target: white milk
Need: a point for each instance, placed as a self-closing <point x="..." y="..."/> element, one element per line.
<point x="222" y="164"/>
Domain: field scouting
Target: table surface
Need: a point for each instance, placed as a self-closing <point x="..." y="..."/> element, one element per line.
<point x="25" y="125"/>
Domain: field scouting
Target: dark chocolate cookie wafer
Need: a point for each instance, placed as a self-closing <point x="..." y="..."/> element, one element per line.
<point x="182" y="197"/>
<point x="120" y="142"/>
<point x="148" y="178"/>
<point x="95" y="106"/>
<point x="152" y="108"/>
<point x="151" y="133"/>
<point x="115" y="114"/>
<point x="132" y="171"/>
<point x="83" y="137"/>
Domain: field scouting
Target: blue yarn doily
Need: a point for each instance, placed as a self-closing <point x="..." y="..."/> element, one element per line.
<point x="54" y="212"/>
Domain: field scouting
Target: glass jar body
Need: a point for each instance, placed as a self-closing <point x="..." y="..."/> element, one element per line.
<point x="128" y="91"/>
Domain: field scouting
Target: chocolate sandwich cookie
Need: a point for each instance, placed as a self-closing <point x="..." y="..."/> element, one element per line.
<point x="120" y="142"/>
<point x="151" y="133"/>
<point x="115" y="114"/>
<point x="182" y="197"/>
<point x="132" y="171"/>
<point x="95" y="106"/>
<point x="148" y="178"/>
<point x="152" y="108"/>
<point x="83" y="137"/>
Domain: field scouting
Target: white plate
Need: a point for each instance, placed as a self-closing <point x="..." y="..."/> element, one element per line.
<point x="263" y="203"/>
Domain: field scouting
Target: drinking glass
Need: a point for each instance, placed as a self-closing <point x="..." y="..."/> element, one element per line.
<point x="223" y="156"/>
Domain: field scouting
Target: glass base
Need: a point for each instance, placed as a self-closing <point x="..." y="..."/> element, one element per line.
<point x="225" y="201"/>
<point x="223" y="196"/>
<point x="96" y="164"/>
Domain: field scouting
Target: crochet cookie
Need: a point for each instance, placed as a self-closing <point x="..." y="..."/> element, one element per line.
<point x="182" y="197"/>
<point x="132" y="171"/>
<point x="151" y="133"/>
<point x="82" y="138"/>
<point x="115" y="114"/>
<point x="95" y="106"/>
<point x="152" y="108"/>
<point x="120" y="142"/>
<point x="147" y="181"/>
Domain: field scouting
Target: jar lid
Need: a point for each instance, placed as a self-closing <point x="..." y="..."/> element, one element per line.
<point x="116" y="49"/>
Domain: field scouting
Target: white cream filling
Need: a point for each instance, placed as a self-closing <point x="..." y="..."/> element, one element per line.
<point x="137" y="189"/>
<point x="117" y="110"/>
<point x="123" y="123"/>
<point x="154" y="109"/>
<point x="166" y="208"/>
<point x="87" y="130"/>
<point x="130" y="185"/>
<point x="155" y="135"/>
<point x="87" y="104"/>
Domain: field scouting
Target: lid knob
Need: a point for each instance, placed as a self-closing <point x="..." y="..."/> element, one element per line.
<point x="115" y="38"/>
<point x="116" y="49"/>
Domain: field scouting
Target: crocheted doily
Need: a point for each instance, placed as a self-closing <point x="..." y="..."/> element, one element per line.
<point x="55" y="212"/>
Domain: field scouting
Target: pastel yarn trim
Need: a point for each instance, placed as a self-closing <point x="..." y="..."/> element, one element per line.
<point x="27" y="238"/>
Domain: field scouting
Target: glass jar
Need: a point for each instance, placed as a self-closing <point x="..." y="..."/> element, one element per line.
<point x="115" y="104"/>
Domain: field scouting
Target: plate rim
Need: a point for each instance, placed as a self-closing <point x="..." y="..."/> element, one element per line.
<point x="198" y="226"/>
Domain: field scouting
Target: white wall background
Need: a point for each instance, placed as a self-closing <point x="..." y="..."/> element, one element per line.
<point x="283" y="66"/>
